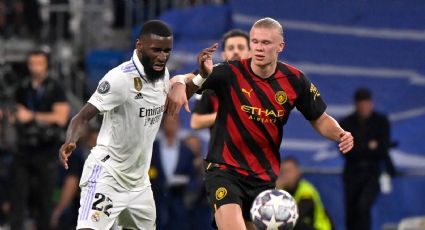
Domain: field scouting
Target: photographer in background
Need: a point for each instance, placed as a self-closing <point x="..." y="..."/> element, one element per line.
<point x="366" y="161"/>
<point x="41" y="114"/>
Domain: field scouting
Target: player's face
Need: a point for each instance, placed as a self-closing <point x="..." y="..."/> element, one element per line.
<point x="37" y="65"/>
<point x="266" y="44"/>
<point x="364" y="108"/>
<point x="290" y="174"/>
<point x="236" y="48"/>
<point x="156" y="51"/>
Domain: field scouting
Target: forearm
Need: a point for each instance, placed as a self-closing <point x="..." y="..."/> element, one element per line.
<point x="201" y="121"/>
<point x="51" y="118"/>
<point x="75" y="129"/>
<point x="187" y="81"/>
<point x="79" y="123"/>
<point x="69" y="190"/>
<point x="58" y="115"/>
<point x="328" y="127"/>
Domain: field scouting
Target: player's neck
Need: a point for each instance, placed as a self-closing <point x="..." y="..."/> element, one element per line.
<point x="264" y="71"/>
<point x="36" y="81"/>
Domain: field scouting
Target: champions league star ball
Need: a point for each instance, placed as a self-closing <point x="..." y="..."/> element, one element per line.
<point x="274" y="210"/>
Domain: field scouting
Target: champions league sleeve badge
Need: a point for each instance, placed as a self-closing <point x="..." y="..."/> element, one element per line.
<point x="103" y="87"/>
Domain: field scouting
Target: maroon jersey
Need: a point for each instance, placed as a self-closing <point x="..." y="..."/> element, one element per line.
<point x="247" y="133"/>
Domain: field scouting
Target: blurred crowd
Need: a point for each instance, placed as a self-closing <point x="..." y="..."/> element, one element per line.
<point x="36" y="103"/>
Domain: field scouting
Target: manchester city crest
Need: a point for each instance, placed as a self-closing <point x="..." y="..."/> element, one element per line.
<point x="281" y="97"/>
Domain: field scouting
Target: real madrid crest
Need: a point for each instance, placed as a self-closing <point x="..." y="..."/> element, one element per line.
<point x="220" y="193"/>
<point x="281" y="97"/>
<point x="138" y="83"/>
<point x="95" y="217"/>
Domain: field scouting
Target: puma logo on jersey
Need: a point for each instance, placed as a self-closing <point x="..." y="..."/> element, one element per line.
<point x="247" y="92"/>
<point x="138" y="96"/>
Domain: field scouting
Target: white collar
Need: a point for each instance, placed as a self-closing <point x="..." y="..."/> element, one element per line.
<point x="138" y="64"/>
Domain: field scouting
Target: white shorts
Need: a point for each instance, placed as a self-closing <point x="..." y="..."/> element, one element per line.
<point x="103" y="201"/>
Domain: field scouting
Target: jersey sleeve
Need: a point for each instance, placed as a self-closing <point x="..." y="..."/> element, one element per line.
<point x="310" y="102"/>
<point x="110" y="93"/>
<point x="59" y="93"/>
<point x="205" y="104"/>
<point x="219" y="77"/>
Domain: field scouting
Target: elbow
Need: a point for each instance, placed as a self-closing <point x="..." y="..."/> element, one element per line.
<point x="194" y="124"/>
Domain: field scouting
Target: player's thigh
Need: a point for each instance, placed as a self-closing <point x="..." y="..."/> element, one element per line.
<point x="229" y="217"/>
<point x="251" y="189"/>
<point x="140" y="212"/>
<point x="222" y="188"/>
<point x="100" y="203"/>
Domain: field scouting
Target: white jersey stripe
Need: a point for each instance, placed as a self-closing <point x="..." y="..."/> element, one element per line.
<point x="93" y="173"/>
<point x="92" y="186"/>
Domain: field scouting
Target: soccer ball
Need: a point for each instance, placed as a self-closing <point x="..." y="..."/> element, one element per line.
<point x="274" y="210"/>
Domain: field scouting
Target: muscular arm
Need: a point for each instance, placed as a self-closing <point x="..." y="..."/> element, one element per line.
<point x="75" y="129"/>
<point x="79" y="122"/>
<point x="202" y="121"/>
<point x="58" y="116"/>
<point x="328" y="127"/>
<point x="68" y="192"/>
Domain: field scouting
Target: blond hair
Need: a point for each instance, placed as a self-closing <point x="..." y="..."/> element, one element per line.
<point x="269" y="23"/>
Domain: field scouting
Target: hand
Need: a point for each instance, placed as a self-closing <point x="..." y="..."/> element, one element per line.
<point x="176" y="98"/>
<point x="205" y="60"/>
<point x="346" y="142"/>
<point x="24" y="115"/>
<point x="64" y="152"/>
<point x="54" y="220"/>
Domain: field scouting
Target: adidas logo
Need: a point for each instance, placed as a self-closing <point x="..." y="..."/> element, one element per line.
<point x="138" y="96"/>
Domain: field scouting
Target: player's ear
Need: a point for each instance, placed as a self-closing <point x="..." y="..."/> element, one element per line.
<point x="281" y="47"/>
<point x="139" y="45"/>
<point x="223" y="56"/>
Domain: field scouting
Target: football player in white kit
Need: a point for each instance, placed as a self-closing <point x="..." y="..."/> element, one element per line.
<point x="115" y="183"/>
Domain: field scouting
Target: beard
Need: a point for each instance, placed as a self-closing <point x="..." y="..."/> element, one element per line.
<point x="151" y="74"/>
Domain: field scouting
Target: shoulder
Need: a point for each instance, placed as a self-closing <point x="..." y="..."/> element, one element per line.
<point x="289" y="70"/>
<point x="380" y="116"/>
<point x="306" y="187"/>
<point x="127" y="67"/>
<point x="53" y="86"/>
<point x="118" y="75"/>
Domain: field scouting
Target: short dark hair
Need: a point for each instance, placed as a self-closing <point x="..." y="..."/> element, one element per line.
<point x="292" y="159"/>
<point x="156" y="27"/>
<point x="38" y="52"/>
<point x="362" y="94"/>
<point x="235" y="33"/>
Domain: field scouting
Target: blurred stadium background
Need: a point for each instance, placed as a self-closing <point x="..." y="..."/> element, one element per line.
<point x="341" y="45"/>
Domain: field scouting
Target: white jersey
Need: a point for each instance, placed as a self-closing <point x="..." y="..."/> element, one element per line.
<point x="132" y="110"/>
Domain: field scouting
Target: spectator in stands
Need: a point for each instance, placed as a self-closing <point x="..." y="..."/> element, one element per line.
<point x="3" y="19"/>
<point x="197" y="195"/>
<point x="371" y="130"/>
<point x="65" y="213"/>
<point x="26" y="19"/>
<point x="170" y="173"/>
<point x="312" y="214"/>
<point x="235" y="47"/>
<point x="41" y="114"/>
